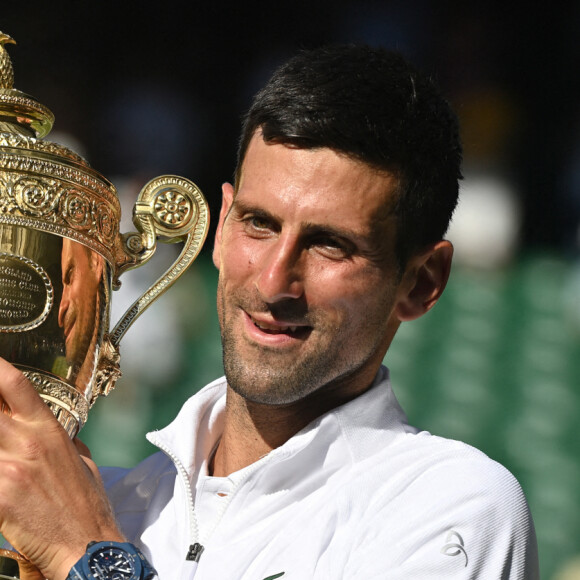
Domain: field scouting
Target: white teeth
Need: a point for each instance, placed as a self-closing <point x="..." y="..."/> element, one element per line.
<point x="273" y="328"/>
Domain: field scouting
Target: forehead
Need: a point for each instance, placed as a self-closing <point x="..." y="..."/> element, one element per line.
<point x="315" y="184"/>
<point x="74" y="251"/>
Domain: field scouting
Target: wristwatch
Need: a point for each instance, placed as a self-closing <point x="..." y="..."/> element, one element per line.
<point x="112" y="561"/>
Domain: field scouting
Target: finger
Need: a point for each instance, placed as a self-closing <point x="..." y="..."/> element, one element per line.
<point x="4" y="408"/>
<point x="18" y="396"/>
<point x="92" y="467"/>
<point x="85" y="454"/>
<point x="83" y="450"/>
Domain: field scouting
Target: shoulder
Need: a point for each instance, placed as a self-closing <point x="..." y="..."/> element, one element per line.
<point x="449" y="508"/>
<point x="438" y="473"/>
<point x="454" y="463"/>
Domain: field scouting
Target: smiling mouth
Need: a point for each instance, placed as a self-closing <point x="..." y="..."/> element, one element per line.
<point x="295" y="330"/>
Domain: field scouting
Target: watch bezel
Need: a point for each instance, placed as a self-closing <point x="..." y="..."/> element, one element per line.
<point x="141" y="569"/>
<point x="97" y="552"/>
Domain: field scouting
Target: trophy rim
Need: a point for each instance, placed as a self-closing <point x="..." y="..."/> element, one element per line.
<point x="47" y="187"/>
<point x="69" y="405"/>
<point x="26" y="110"/>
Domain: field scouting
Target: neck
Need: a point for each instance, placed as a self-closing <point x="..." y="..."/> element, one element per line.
<point x="252" y="430"/>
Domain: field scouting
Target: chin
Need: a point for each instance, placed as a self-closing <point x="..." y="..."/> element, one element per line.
<point x="266" y="388"/>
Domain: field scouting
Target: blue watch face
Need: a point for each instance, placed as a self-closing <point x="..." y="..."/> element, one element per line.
<point x="112" y="563"/>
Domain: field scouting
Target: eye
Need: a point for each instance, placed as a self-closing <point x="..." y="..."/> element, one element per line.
<point x="68" y="275"/>
<point x="258" y="225"/>
<point x="258" y="222"/>
<point x="332" y="247"/>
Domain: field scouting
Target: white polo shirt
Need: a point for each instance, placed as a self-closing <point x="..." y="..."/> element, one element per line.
<point x="357" y="494"/>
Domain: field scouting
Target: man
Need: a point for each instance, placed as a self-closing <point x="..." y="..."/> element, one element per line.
<point x="300" y="463"/>
<point x="80" y="310"/>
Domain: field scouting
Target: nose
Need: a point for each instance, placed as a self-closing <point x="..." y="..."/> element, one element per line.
<point x="64" y="305"/>
<point x="280" y="275"/>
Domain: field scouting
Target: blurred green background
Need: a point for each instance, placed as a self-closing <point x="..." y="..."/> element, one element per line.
<point x="144" y="89"/>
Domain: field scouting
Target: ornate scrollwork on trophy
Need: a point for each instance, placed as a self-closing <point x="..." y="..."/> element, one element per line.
<point x="69" y="405"/>
<point x="75" y="212"/>
<point x="175" y="204"/>
<point x="84" y="214"/>
<point x="172" y="208"/>
<point x="168" y="208"/>
<point x="8" y="140"/>
<point x="108" y="371"/>
<point x="75" y="209"/>
<point x="36" y="197"/>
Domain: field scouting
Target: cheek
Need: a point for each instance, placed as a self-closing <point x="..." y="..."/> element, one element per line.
<point x="235" y="270"/>
<point x="74" y="293"/>
<point x="358" y="298"/>
<point x="240" y="257"/>
<point x="342" y="282"/>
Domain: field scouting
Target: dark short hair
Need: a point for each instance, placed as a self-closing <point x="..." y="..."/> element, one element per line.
<point x="372" y="105"/>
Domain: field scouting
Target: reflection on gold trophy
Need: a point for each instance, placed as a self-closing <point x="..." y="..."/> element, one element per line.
<point x="61" y="255"/>
<point x="81" y="308"/>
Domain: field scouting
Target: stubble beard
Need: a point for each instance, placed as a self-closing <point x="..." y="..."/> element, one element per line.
<point x="268" y="378"/>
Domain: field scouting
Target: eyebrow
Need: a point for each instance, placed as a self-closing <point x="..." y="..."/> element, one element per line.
<point x="240" y="208"/>
<point x="334" y="231"/>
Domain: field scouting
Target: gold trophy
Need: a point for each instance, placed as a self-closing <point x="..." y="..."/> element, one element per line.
<point x="61" y="255"/>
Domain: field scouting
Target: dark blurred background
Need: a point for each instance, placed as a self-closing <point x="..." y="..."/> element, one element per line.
<point x="141" y="90"/>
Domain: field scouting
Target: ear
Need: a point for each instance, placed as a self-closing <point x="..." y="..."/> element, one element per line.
<point x="424" y="280"/>
<point x="227" y="200"/>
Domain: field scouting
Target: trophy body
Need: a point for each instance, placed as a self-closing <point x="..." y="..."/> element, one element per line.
<point x="61" y="255"/>
<point x="54" y="302"/>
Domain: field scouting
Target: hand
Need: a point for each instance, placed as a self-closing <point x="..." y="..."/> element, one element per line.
<point x="52" y="501"/>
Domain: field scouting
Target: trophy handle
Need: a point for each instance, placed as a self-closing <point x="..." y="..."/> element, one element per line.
<point x="171" y="209"/>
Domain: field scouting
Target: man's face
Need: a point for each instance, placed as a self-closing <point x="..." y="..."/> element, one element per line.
<point x="308" y="283"/>
<point x="81" y="277"/>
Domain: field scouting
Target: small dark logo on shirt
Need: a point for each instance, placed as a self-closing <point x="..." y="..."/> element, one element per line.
<point x="275" y="576"/>
<point x="454" y="545"/>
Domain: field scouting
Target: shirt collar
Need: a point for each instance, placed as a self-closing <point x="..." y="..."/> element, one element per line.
<point x="359" y="427"/>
